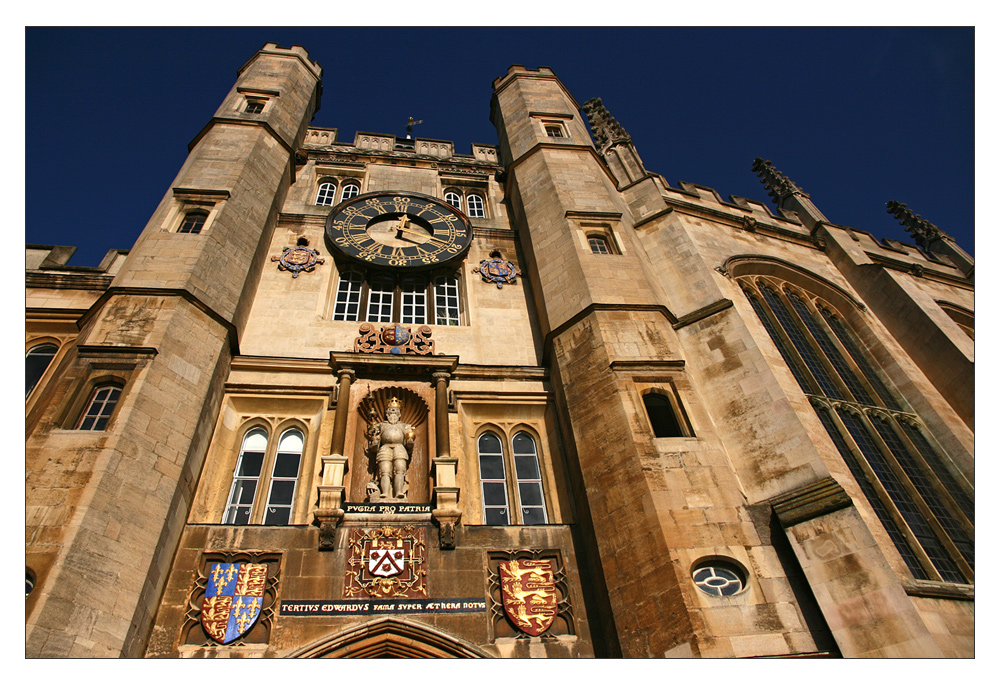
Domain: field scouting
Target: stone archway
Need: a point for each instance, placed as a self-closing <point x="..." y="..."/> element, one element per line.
<point x="387" y="638"/>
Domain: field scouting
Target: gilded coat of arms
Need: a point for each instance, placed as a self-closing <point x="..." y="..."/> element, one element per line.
<point x="528" y="590"/>
<point x="233" y="598"/>
<point x="497" y="270"/>
<point x="387" y="562"/>
<point x="297" y="260"/>
<point x="394" y="339"/>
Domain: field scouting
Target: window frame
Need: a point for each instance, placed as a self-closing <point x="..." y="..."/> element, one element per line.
<point x="479" y="212"/>
<point x="668" y="393"/>
<point x="199" y="226"/>
<point x="265" y="479"/>
<point x="254" y="105"/>
<point x="91" y="402"/>
<point x="850" y="395"/>
<point x="326" y="191"/>
<point x="395" y="298"/>
<point x="512" y="481"/>
<point x="41" y="374"/>
<point x="457" y="204"/>
<point x="351" y="183"/>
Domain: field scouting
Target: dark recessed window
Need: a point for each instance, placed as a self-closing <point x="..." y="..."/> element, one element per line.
<point x="554" y="131"/>
<point x="662" y="417"/>
<point x="254" y="107"/>
<point x="35" y="363"/>
<point x="193" y="222"/>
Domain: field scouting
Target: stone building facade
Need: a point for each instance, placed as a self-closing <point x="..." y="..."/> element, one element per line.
<point x="379" y="398"/>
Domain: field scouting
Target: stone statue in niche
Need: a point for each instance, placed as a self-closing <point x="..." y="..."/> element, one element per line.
<point x="392" y="442"/>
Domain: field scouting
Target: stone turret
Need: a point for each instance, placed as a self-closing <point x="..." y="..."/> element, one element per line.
<point x="614" y="143"/>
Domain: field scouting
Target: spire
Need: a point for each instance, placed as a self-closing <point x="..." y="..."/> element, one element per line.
<point x="922" y="231"/>
<point x="605" y="128"/>
<point x="779" y="186"/>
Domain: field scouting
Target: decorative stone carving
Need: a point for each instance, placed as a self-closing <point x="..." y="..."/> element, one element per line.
<point x="387" y="562"/>
<point x="298" y="259"/>
<point x="497" y="270"/>
<point x="922" y="231"/>
<point x="394" y="339"/>
<point x="777" y="184"/>
<point x="603" y="126"/>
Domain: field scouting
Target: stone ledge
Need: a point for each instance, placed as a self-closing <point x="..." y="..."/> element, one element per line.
<point x="811" y="501"/>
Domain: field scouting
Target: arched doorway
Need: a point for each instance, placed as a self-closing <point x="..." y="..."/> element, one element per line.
<point x="386" y="638"/>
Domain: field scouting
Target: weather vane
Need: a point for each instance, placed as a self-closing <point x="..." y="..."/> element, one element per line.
<point x="410" y="124"/>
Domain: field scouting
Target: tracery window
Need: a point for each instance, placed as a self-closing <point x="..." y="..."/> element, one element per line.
<point x="99" y="408"/>
<point x="326" y="196"/>
<point x="283" y="469"/>
<point x="926" y="510"/>
<point x="36" y="361"/>
<point x="390" y="298"/>
<point x="529" y="479"/>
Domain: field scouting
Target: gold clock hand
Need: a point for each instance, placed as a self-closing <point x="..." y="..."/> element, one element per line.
<point x="422" y="235"/>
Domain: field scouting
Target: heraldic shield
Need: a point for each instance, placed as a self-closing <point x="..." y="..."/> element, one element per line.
<point x="528" y="589"/>
<point x="233" y="599"/>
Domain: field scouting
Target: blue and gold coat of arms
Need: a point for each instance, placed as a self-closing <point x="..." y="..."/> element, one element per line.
<point x="497" y="270"/>
<point x="233" y="599"/>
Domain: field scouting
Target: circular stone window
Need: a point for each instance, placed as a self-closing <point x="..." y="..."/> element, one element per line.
<point x="716" y="577"/>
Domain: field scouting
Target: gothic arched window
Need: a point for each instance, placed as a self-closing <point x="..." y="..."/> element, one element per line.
<point x="926" y="510"/>
<point x="284" y="474"/>
<point x="35" y="363"/>
<point x="493" y="480"/>
<point x="248" y="467"/>
<point x="529" y="479"/>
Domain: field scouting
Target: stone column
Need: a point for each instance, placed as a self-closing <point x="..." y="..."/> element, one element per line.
<point x="446" y="511"/>
<point x="331" y="487"/>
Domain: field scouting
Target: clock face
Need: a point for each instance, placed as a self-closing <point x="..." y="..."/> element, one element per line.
<point x="407" y="230"/>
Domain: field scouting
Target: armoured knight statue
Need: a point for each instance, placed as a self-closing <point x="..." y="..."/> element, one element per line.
<point x="393" y="441"/>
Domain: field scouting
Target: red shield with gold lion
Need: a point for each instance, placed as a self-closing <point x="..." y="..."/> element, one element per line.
<point x="528" y="589"/>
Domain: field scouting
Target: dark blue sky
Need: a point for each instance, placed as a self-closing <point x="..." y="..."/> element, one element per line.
<point x="856" y="117"/>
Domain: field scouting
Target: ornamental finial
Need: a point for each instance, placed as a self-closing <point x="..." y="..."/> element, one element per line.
<point x="605" y="128"/>
<point x="922" y="231"/>
<point x="778" y="186"/>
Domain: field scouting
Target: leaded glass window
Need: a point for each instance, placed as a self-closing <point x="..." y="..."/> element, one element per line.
<point x="283" y="477"/>
<point x="529" y="479"/>
<point x="245" y="478"/>
<point x="493" y="480"/>
<point x="925" y="507"/>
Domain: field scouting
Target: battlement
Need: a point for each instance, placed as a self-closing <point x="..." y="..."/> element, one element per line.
<point x="389" y="143"/>
<point x="296" y="51"/>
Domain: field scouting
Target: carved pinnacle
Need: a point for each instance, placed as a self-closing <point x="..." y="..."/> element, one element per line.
<point x="922" y="231"/>
<point x="605" y="128"/>
<point x="778" y="186"/>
